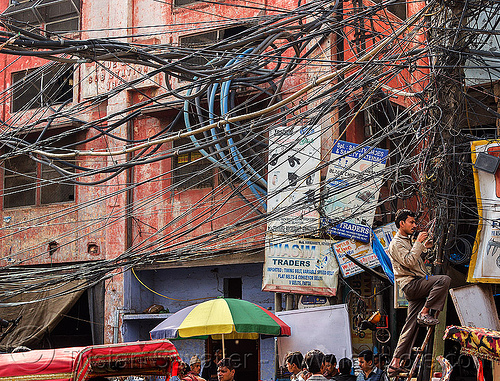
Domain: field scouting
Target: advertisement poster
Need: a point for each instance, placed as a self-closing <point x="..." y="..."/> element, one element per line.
<point x="302" y="266"/>
<point x="485" y="260"/>
<point x="293" y="179"/>
<point x="353" y="184"/>
<point x="362" y="251"/>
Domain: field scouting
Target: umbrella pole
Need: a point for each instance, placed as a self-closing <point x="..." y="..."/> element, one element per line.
<point x="223" y="348"/>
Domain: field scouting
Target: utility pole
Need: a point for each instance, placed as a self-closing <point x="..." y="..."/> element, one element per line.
<point x="446" y="95"/>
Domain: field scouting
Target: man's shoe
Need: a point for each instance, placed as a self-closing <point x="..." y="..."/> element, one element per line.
<point x="393" y="371"/>
<point x="426" y="320"/>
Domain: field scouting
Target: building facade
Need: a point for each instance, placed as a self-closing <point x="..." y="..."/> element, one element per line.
<point x="142" y="214"/>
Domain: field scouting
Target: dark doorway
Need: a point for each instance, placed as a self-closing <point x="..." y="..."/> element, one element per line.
<point x="232" y="288"/>
<point x="74" y="329"/>
<point x="243" y="353"/>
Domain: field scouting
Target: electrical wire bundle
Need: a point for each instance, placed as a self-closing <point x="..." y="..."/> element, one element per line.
<point x="276" y="70"/>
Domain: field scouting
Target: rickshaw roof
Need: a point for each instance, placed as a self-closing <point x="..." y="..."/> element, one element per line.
<point x="81" y="363"/>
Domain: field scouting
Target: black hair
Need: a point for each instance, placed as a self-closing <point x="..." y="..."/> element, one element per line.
<point x="313" y="360"/>
<point x="402" y="215"/>
<point x="226" y="363"/>
<point x="345" y="366"/>
<point x="331" y="359"/>
<point x="367" y="355"/>
<point x="294" y="358"/>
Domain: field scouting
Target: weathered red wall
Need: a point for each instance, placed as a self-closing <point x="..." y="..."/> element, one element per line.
<point x="25" y="238"/>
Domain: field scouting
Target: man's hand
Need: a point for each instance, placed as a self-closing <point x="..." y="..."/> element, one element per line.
<point x="423" y="237"/>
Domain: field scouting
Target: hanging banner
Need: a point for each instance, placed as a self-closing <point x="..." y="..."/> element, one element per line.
<point x="485" y="260"/>
<point x="301" y="266"/>
<point x="293" y="179"/>
<point x="362" y="251"/>
<point x="352" y="188"/>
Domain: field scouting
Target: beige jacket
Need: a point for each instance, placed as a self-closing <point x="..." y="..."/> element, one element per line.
<point x="406" y="259"/>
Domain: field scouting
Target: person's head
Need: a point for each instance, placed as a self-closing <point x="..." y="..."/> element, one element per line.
<point x="365" y="359"/>
<point x="330" y="364"/>
<point x="314" y="361"/>
<point x="293" y="362"/>
<point x="183" y="369"/>
<point x="406" y="221"/>
<point x="195" y="364"/>
<point x="225" y="370"/>
<point x="345" y="366"/>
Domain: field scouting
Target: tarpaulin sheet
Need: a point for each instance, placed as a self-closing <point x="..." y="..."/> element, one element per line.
<point x="40" y="317"/>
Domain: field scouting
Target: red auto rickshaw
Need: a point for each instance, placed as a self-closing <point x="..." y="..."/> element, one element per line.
<point x="141" y="358"/>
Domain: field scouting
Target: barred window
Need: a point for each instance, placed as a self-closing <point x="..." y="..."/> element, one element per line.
<point x="191" y="170"/>
<point x="41" y="87"/>
<point x="27" y="182"/>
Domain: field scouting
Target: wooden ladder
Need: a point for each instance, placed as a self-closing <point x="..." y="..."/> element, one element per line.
<point x="419" y="351"/>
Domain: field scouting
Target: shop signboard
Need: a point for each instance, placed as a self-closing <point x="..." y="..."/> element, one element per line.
<point x="353" y="184"/>
<point x="302" y="266"/>
<point x="485" y="259"/>
<point x="293" y="179"/>
<point x="361" y="251"/>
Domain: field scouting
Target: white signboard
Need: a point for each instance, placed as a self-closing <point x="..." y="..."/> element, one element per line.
<point x="353" y="184"/>
<point x="324" y="328"/>
<point x="293" y="179"/>
<point x="485" y="260"/>
<point x="302" y="266"/>
<point x="362" y="251"/>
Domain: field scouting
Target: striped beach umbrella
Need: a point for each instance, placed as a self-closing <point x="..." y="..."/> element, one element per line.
<point x="223" y="318"/>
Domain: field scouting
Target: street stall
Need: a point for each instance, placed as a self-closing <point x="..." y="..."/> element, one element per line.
<point x="146" y="358"/>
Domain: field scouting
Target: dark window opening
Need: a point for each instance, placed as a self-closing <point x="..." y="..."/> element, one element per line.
<point x="19" y="182"/>
<point x="204" y="40"/>
<point x="191" y="170"/>
<point x="23" y="176"/>
<point x="398" y="10"/>
<point x="41" y="87"/>
<point x="55" y="15"/>
<point x="232" y="288"/>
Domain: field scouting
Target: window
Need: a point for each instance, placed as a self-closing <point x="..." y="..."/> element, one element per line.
<point x="200" y="41"/>
<point x="41" y="87"/>
<point x="190" y="169"/>
<point x="232" y="288"/>
<point x="27" y="182"/>
<point x="53" y="15"/>
<point x="19" y="182"/>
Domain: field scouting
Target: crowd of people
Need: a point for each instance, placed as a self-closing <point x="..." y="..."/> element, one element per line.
<point x="215" y="369"/>
<point x="316" y="366"/>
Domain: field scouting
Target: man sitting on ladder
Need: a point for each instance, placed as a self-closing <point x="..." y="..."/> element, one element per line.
<point x="423" y="291"/>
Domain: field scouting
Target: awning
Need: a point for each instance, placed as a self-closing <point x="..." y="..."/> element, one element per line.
<point x="40" y="317"/>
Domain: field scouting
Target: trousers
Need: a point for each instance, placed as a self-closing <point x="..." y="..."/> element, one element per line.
<point x="430" y="292"/>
